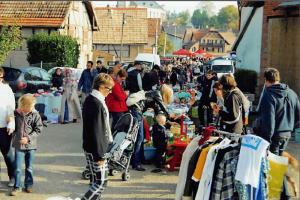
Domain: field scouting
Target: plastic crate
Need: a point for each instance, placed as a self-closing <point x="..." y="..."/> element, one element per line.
<point x="149" y="153"/>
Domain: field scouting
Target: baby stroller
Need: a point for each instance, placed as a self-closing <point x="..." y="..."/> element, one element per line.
<point x="120" y="151"/>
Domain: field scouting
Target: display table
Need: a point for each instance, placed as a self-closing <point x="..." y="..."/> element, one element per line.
<point x="176" y="150"/>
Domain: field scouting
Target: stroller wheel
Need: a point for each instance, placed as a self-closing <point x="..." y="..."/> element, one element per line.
<point x="86" y="174"/>
<point x="113" y="172"/>
<point x="125" y="176"/>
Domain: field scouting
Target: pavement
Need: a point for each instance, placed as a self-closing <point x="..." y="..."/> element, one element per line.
<point x="60" y="161"/>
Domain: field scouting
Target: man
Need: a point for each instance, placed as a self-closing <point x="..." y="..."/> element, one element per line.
<point x="86" y="81"/>
<point x="279" y="114"/>
<point x="100" y="68"/>
<point x="151" y="79"/>
<point x="116" y="68"/>
<point x="7" y="126"/>
<point x="97" y="134"/>
<point x="134" y="80"/>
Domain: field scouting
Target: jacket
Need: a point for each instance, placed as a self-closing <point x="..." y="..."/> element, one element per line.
<point x="208" y="94"/>
<point x="142" y="100"/>
<point x="7" y="105"/>
<point x="150" y="80"/>
<point x="57" y="80"/>
<point x="95" y="134"/>
<point x="116" y="100"/>
<point x="86" y="81"/>
<point x="160" y="137"/>
<point x="232" y="112"/>
<point x="27" y="125"/>
<point x="134" y="80"/>
<point x="279" y="111"/>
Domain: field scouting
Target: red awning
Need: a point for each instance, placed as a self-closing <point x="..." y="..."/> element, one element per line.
<point x="183" y="52"/>
<point x="199" y="51"/>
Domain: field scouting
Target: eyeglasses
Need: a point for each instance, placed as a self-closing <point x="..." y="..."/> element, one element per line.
<point x="108" y="88"/>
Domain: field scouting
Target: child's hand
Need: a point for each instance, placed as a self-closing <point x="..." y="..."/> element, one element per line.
<point x="24" y="140"/>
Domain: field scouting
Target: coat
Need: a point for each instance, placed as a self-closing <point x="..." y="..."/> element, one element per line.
<point x="70" y="96"/>
<point x="116" y="100"/>
<point x="29" y="125"/>
<point x="95" y="134"/>
<point x="86" y="81"/>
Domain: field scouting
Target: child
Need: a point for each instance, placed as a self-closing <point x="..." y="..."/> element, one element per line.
<point x="160" y="142"/>
<point x="28" y="126"/>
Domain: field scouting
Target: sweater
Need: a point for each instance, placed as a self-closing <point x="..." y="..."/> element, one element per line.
<point x="116" y="100"/>
<point x="7" y="105"/>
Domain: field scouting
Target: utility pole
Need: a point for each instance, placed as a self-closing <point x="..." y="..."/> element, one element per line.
<point x="165" y="44"/>
<point x="121" y="49"/>
<point x="156" y="37"/>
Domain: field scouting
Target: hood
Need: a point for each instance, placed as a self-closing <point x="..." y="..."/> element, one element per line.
<point x="278" y="90"/>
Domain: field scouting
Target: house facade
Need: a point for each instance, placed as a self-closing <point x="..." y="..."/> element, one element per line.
<point x="109" y="38"/>
<point x="74" y="18"/>
<point x="263" y="27"/>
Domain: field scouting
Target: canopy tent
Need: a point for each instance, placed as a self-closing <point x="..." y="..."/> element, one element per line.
<point x="203" y="53"/>
<point x="183" y="52"/>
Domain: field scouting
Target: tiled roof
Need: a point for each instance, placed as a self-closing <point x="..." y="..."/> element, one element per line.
<point x="188" y="34"/>
<point x="198" y="34"/>
<point x="37" y="13"/>
<point x="230" y="37"/>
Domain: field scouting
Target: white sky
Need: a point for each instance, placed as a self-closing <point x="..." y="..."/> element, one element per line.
<point x="177" y="5"/>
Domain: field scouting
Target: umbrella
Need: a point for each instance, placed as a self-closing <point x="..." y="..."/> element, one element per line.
<point x="183" y="52"/>
<point x="199" y="51"/>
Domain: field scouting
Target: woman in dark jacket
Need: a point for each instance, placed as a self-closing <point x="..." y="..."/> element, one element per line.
<point x="231" y="113"/>
<point x="57" y="78"/>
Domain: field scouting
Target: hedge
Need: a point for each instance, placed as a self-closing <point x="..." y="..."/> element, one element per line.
<point x="54" y="48"/>
<point x="246" y="80"/>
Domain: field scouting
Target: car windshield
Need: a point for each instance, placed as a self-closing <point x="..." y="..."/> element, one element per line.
<point x="11" y="74"/>
<point x="222" y="68"/>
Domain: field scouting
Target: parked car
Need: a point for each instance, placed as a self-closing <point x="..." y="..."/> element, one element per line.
<point x="24" y="80"/>
<point x="148" y="60"/>
<point x="222" y="67"/>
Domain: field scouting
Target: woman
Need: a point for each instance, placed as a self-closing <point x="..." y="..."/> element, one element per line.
<point x="70" y="106"/>
<point x="138" y="103"/>
<point x="231" y="113"/>
<point x="97" y="134"/>
<point x="57" y="78"/>
<point x="7" y="126"/>
<point x="116" y="100"/>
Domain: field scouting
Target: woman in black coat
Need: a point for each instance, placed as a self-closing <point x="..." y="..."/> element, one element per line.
<point x="57" y="78"/>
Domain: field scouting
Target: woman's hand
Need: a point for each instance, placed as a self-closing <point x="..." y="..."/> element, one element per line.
<point x="24" y="140"/>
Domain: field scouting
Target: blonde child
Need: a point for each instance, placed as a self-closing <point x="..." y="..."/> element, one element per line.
<point x="28" y="126"/>
<point x="160" y="142"/>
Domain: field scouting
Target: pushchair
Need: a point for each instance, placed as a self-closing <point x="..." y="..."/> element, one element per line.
<point x="120" y="151"/>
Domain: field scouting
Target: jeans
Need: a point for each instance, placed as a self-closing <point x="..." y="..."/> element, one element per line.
<point x="29" y="158"/>
<point x="136" y="157"/>
<point x="7" y="152"/>
<point x="278" y="145"/>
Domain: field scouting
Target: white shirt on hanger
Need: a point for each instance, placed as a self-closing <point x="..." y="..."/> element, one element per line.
<point x="253" y="148"/>
<point x="204" y="187"/>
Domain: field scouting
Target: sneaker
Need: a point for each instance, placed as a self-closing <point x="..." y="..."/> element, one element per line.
<point x="15" y="192"/>
<point x="29" y="190"/>
<point x="11" y="182"/>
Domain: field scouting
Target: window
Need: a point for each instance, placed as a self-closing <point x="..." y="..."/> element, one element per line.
<point x="45" y="76"/>
<point x="203" y="40"/>
<point x="194" y="49"/>
<point x="33" y="75"/>
<point x="115" y="49"/>
<point x="213" y="49"/>
<point x="216" y="41"/>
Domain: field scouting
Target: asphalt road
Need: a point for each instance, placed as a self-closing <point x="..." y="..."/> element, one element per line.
<point x="60" y="161"/>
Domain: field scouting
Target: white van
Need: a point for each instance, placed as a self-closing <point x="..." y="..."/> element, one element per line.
<point x="222" y="67"/>
<point x="148" y="60"/>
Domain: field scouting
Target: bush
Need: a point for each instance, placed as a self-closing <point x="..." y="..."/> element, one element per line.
<point x="246" y="80"/>
<point x="54" y="48"/>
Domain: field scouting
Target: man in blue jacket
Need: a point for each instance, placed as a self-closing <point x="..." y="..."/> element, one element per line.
<point x="86" y="81"/>
<point x="279" y="114"/>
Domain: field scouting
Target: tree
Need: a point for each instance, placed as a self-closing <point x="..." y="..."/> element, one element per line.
<point x="54" y="48"/>
<point x="228" y="17"/>
<point x="10" y="39"/>
<point x="200" y="19"/>
<point x="161" y="44"/>
<point x="181" y="18"/>
<point x="208" y="6"/>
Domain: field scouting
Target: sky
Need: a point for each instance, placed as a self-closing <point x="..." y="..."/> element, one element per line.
<point x="179" y="6"/>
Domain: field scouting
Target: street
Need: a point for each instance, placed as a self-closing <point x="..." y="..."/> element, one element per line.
<point x="60" y="161"/>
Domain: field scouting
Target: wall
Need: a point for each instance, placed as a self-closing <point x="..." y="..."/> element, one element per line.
<point x="249" y="49"/>
<point x="177" y="42"/>
<point x="283" y="49"/>
<point x="100" y="54"/>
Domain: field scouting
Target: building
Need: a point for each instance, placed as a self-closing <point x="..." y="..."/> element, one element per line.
<point x="270" y="37"/>
<point x="211" y="41"/>
<point x="175" y="34"/>
<point x="154" y="10"/>
<point x="154" y="30"/>
<point x="109" y="38"/>
<point x="74" y="18"/>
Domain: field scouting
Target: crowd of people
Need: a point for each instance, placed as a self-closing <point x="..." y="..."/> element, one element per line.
<point x="106" y="94"/>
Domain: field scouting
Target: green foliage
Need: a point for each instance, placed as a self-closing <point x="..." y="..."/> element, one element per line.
<point x="200" y="18"/>
<point x="10" y="39"/>
<point x="61" y="49"/>
<point x="181" y="18"/>
<point x="228" y="18"/>
<point x="161" y="43"/>
<point x="243" y="77"/>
